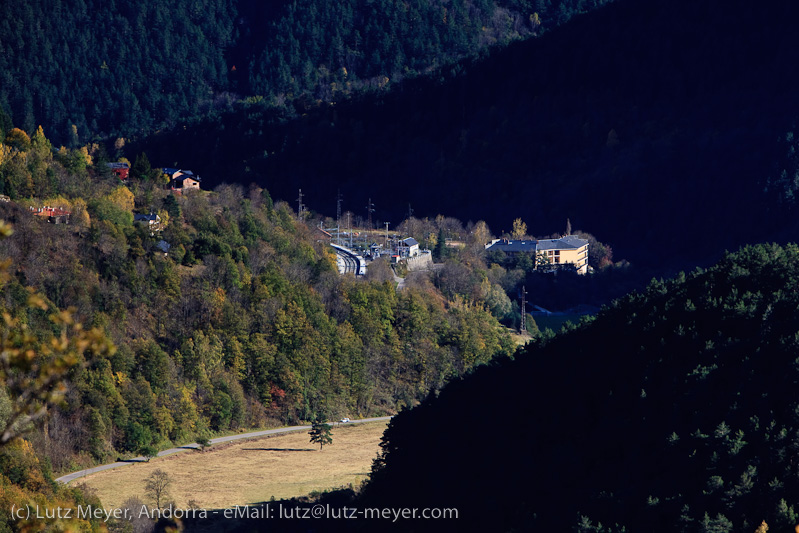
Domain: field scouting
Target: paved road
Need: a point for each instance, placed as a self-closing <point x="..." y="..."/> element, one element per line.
<point x="398" y="280"/>
<point x="80" y="473"/>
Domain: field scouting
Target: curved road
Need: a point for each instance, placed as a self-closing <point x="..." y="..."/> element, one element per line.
<point x="80" y="473"/>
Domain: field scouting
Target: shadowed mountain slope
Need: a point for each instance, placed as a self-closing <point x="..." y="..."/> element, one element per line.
<point x="674" y="410"/>
<point x="652" y="124"/>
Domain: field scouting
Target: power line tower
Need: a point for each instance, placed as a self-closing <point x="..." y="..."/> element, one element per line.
<point x="523" y="325"/>
<point x="370" y="208"/>
<point x="300" y="206"/>
<point x="407" y="230"/>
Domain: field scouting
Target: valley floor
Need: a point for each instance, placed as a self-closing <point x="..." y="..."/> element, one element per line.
<point x="251" y="471"/>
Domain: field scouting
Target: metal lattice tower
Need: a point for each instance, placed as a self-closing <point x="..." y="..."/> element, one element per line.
<point x="370" y="208"/>
<point x="523" y="325"/>
<point x="300" y="206"/>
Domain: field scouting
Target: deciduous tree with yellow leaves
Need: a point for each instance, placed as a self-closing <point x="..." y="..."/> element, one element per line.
<point x="519" y="229"/>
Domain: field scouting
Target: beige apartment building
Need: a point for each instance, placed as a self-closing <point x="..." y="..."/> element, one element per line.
<point x="568" y="250"/>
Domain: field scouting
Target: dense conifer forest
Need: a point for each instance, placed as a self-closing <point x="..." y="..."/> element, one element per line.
<point x="127" y="68"/>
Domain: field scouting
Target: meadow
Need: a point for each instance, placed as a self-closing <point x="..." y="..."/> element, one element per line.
<point x="250" y="471"/>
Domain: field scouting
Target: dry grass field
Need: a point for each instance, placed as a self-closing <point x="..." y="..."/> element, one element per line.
<point x="250" y="471"/>
<point x="519" y="340"/>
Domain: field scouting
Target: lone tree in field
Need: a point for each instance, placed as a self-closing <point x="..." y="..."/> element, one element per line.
<point x="148" y="451"/>
<point x="203" y="443"/>
<point x="157" y="486"/>
<point x="321" y="433"/>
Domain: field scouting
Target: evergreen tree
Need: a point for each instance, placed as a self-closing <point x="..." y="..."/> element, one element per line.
<point x="171" y="206"/>
<point x="141" y="169"/>
<point x="5" y="123"/>
<point x="321" y="433"/>
<point x="440" y="251"/>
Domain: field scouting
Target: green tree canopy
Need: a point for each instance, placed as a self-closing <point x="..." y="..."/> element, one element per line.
<point x="321" y="433"/>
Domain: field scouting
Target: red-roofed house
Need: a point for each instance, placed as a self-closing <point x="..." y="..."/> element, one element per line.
<point x="56" y="215"/>
<point x="120" y="169"/>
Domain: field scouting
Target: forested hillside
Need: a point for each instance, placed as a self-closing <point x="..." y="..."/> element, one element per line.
<point x="674" y="410"/>
<point x="228" y="313"/>
<point x="328" y="49"/>
<point x="667" y="127"/>
<point x="120" y="68"/>
<point x="126" y="68"/>
<point x="649" y="123"/>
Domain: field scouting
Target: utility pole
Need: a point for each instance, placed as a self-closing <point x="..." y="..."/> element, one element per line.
<point x="523" y="326"/>
<point x="349" y="223"/>
<point x="386" y="235"/>
<point x="339" y="198"/>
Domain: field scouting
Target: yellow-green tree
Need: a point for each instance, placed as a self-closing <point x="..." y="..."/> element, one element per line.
<point x="480" y="233"/>
<point x="41" y="145"/>
<point x="18" y="139"/>
<point x="122" y="198"/>
<point x="80" y="216"/>
<point x="519" y="229"/>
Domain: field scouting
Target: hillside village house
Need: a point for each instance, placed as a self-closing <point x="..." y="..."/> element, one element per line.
<point x="151" y="219"/>
<point x="568" y="250"/>
<point x="182" y="180"/>
<point x="122" y="170"/>
<point x="408" y="247"/>
<point x="55" y="215"/>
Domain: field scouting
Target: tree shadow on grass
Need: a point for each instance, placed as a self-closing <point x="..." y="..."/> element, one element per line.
<point x="279" y="449"/>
